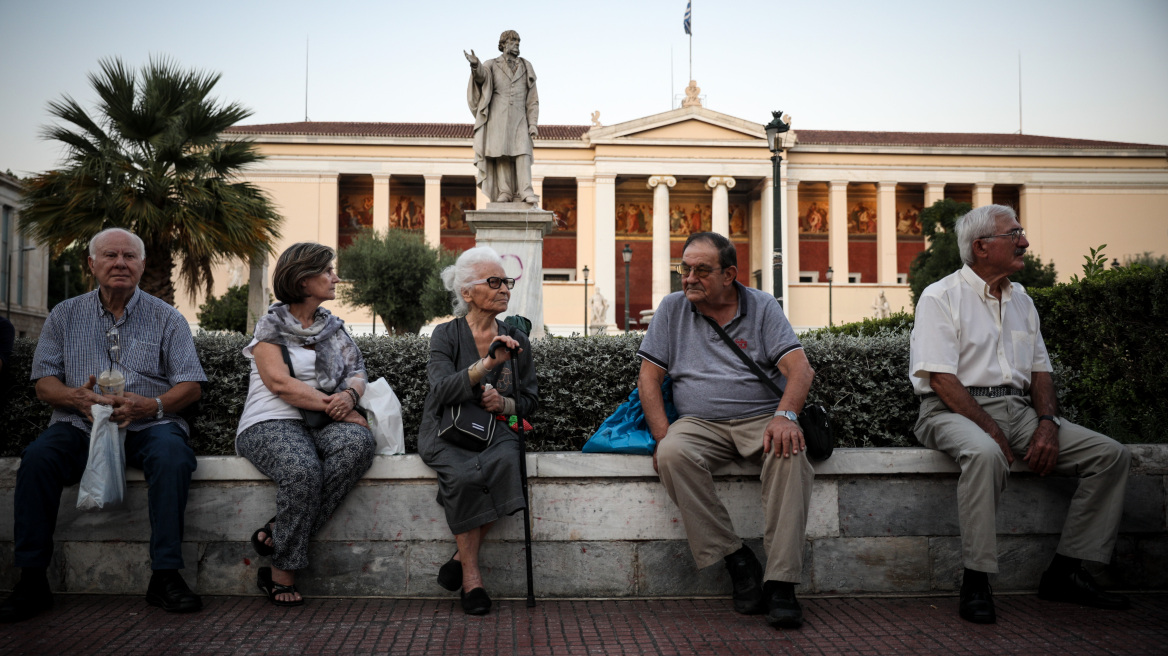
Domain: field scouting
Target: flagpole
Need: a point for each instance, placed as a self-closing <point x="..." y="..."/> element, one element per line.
<point x="691" y="41"/>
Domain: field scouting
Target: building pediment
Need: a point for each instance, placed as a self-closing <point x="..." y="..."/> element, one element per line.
<point x="684" y="126"/>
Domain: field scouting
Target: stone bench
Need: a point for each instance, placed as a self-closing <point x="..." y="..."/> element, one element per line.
<point x="882" y="520"/>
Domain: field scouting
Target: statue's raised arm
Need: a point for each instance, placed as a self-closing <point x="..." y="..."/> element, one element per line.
<point x="503" y="130"/>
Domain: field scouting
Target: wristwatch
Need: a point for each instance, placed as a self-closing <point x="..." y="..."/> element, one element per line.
<point x="158" y="415"/>
<point x="788" y="414"/>
<point x="1057" y="423"/>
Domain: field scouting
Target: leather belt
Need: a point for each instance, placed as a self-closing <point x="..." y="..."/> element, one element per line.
<point x="991" y="392"/>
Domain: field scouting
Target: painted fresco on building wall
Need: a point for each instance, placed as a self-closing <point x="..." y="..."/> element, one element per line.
<point x="634" y="219"/>
<point x="812" y="216"/>
<point x="862" y="218"/>
<point x="908" y="219"/>
<point x="563" y="208"/>
<point x="453" y="213"/>
<point x="356" y="213"/>
<point x="407" y="212"/>
<point x="739" y="226"/>
<point x="688" y="218"/>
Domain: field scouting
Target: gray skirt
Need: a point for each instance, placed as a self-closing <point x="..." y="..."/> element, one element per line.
<point x="476" y="488"/>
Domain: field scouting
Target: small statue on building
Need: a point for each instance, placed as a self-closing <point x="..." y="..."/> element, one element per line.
<point x="881" y="306"/>
<point x="504" y="129"/>
<point x="599" y="309"/>
<point x="596" y="119"/>
<point x="692" y="95"/>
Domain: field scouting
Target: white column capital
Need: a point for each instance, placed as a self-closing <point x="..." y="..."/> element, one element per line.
<point x="721" y="181"/>
<point x="381" y="176"/>
<point x="885" y="184"/>
<point x="433" y="178"/>
<point x="667" y="180"/>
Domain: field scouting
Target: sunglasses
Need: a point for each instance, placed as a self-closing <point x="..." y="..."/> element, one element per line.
<point x="495" y="282"/>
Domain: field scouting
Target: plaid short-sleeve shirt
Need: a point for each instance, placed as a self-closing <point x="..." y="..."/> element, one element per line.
<point x="156" y="351"/>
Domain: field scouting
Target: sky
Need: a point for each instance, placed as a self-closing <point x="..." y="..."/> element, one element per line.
<point x="1089" y="70"/>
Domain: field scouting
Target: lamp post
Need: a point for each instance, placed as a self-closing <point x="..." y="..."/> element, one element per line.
<point x="585" y="300"/>
<point x="829" y="277"/>
<point x="8" y="280"/>
<point x="774" y="131"/>
<point x="627" y="255"/>
<point x="66" y="267"/>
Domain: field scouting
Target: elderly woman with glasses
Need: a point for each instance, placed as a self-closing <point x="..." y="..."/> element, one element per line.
<point x="476" y="488"/>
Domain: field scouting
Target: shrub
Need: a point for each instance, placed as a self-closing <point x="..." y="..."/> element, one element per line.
<point x="226" y="312"/>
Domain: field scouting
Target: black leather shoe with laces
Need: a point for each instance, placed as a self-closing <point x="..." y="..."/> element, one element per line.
<point x="746" y="574"/>
<point x="977" y="605"/>
<point x="783" y="609"/>
<point x="1079" y="587"/>
<point x="169" y="591"/>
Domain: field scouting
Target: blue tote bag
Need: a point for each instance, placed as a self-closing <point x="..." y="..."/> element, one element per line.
<point x="625" y="430"/>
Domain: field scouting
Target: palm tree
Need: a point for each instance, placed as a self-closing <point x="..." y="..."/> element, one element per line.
<point x="152" y="160"/>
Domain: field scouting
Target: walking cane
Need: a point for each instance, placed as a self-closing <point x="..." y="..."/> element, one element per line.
<point x="522" y="473"/>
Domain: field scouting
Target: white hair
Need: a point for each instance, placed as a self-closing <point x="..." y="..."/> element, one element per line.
<point x="979" y="223"/>
<point x="133" y="237"/>
<point x="456" y="277"/>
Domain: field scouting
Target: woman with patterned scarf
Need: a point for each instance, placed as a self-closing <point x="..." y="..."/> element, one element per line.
<point x="300" y="426"/>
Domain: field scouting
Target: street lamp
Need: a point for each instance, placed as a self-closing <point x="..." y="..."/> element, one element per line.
<point x="774" y="131"/>
<point x="1115" y="263"/>
<point x="627" y="255"/>
<point x="66" y="267"/>
<point x="585" y="300"/>
<point x="8" y="280"/>
<point x="830" y="274"/>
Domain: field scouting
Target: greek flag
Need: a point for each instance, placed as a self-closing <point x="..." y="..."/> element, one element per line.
<point x="685" y="23"/>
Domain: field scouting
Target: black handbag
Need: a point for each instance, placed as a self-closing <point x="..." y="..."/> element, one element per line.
<point x="467" y="425"/>
<point x="314" y="418"/>
<point x="814" y="421"/>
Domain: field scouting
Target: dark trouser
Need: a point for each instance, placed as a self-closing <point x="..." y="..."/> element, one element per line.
<point x="57" y="459"/>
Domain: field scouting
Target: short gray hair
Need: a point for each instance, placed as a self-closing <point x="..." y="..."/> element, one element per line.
<point x="978" y="223"/>
<point x="456" y="277"/>
<point x="133" y="237"/>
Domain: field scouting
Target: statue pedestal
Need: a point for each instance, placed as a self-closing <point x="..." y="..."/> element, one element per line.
<point x="599" y="329"/>
<point x="515" y="231"/>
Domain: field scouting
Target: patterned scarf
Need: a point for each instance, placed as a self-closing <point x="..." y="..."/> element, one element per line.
<point x="337" y="358"/>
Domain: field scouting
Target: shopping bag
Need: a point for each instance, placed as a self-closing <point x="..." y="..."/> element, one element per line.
<point x="383" y="412"/>
<point x="103" y="485"/>
<point x="626" y="431"/>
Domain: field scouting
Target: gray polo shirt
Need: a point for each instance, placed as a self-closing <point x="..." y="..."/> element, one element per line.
<point x="709" y="380"/>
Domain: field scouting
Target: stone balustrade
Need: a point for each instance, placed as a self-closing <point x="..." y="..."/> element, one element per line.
<point x="882" y="520"/>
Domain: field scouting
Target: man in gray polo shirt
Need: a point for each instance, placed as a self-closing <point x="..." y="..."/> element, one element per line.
<point x="728" y="414"/>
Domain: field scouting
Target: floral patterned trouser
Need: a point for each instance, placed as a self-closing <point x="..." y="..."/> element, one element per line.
<point x="314" y="469"/>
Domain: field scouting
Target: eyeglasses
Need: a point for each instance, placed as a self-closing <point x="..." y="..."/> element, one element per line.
<point x="1014" y="235"/>
<point x="113" y="344"/>
<point x="700" y="271"/>
<point x="495" y="282"/>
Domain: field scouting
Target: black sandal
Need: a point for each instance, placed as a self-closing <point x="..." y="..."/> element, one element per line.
<point x="450" y="574"/>
<point x="271" y="588"/>
<point x="259" y="545"/>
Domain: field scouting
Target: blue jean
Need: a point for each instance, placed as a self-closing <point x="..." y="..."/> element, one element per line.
<point x="57" y="458"/>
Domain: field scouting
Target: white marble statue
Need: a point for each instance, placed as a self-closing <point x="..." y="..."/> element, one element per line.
<point x="881" y="306"/>
<point x="504" y="128"/>
<point x="599" y="309"/>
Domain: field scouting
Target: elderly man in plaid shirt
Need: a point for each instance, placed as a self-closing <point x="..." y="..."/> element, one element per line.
<point x="122" y="328"/>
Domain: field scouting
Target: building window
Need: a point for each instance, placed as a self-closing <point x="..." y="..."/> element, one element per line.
<point x="808" y="276"/>
<point x="559" y="275"/>
<point x="902" y="278"/>
<point x="854" y="277"/>
<point x="20" y="266"/>
<point x="5" y="227"/>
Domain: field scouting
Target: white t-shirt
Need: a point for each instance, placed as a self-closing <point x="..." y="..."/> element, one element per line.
<point x="262" y="404"/>
<point x="961" y="329"/>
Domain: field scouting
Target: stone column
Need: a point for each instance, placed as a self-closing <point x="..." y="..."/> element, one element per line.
<point x="585" y="226"/>
<point x="886" y="233"/>
<point x="1030" y="215"/>
<point x="721" y="203"/>
<point x="934" y="191"/>
<point x="767" y="234"/>
<point x="837" y="223"/>
<point x="537" y="187"/>
<point x="381" y="202"/>
<point x="433" y="210"/>
<point x="517" y="235"/>
<point x="660" y="184"/>
<point x="791" y="243"/>
<point x="327" y="210"/>
<point x="605" y="238"/>
<point x="258" y="289"/>
<point x="481" y="199"/>
<point x="983" y="194"/>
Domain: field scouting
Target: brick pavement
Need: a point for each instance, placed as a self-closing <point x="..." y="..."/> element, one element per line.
<point x="91" y="624"/>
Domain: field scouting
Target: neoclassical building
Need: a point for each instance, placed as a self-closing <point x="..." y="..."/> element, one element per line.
<point x="24" y="266"/>
<point x="850" y="201"/>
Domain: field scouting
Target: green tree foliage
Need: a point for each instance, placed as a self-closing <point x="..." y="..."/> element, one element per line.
<point x="1148" y="259"/>
<point x="943" y="257"/>
<point x="78" y="280"/>
<point x="396" y="274"/>
<point x="226" y="312"/>
<point x="152" y="159"/>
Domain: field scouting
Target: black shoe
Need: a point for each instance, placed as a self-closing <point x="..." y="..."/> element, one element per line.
<point x="450" y="574"/>
<point x="783" y="609"/>
<point x="746" y="574"/>
<point x="476" y="602"/>
<point x="1079" y="587"/>
<point x="169" y="591"/>
<point x="28" y="599"/>
<point x="977" y="604"/>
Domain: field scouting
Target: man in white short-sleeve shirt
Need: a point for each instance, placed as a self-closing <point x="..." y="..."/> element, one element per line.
<point x="728" y="414"/>
<point x="981" y="369"/>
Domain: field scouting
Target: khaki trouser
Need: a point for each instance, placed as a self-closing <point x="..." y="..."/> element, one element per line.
<point x="1100" y="463"/>
<point x="693" y="448"/>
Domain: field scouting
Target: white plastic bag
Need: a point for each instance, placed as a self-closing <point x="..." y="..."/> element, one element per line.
<point x="103" y="485"/>
<point x="383" y="412"/>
